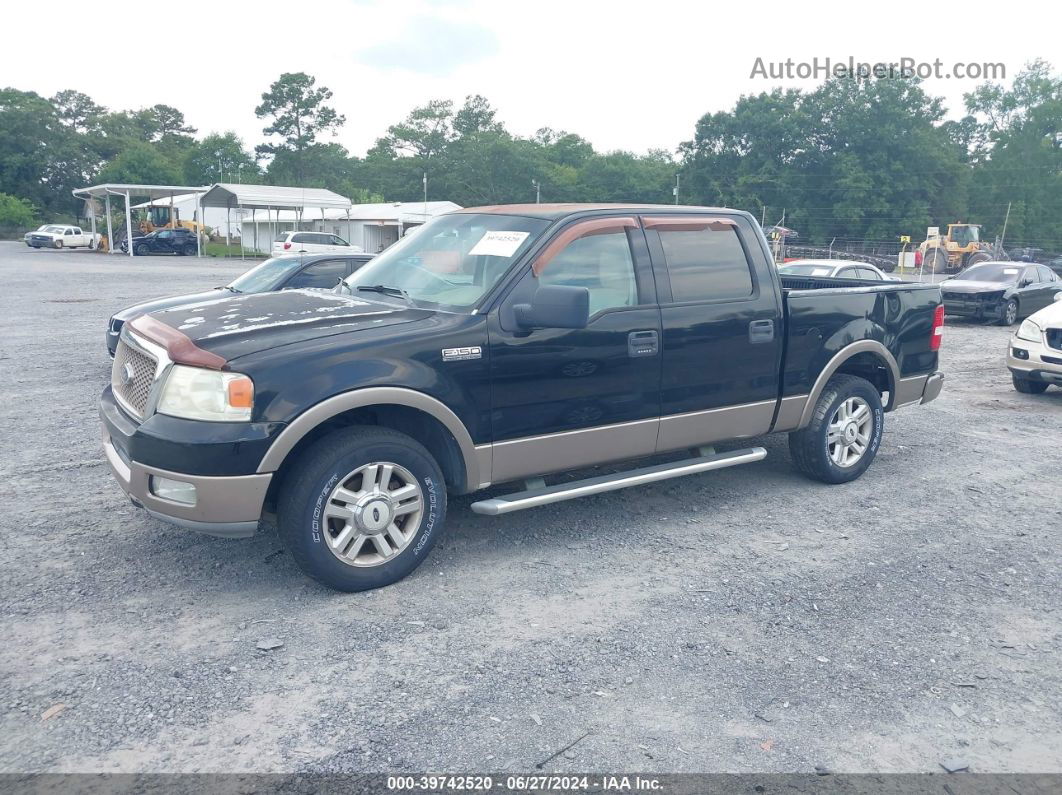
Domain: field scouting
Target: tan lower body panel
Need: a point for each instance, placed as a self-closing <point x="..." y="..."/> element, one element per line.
<point x="909" y="390"/>
<point x="714" y="425"/>
<point x="556" y="452"/>
<point x="790" y="410"/>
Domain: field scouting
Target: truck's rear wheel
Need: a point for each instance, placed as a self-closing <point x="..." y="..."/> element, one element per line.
<point x="362" y="509"/>
<point x="844" y="434"/>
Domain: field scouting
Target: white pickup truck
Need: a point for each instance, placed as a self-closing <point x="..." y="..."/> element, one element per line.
<point x="61" y="236"/>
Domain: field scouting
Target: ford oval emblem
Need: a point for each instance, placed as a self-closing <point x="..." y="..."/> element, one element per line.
<point x="127" y="374"/>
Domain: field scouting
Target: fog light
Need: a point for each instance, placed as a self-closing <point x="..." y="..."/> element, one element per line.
<point x="174" y="490"/>
<point x="1020" y="353"/>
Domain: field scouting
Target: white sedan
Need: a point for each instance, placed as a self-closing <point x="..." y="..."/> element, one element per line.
<point x="835" y="269"/>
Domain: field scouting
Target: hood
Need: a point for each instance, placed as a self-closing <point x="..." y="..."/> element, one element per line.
<point x="170" y="301"/>
<point x="1048" y="317"/>
<point x="244" y="324"/>
<point x="964" y="286"/>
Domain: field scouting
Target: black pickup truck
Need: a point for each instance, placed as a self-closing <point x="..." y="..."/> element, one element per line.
<point x="496" y="345"/>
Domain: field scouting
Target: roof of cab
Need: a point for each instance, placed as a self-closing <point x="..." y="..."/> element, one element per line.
<point x="564" y="209"/>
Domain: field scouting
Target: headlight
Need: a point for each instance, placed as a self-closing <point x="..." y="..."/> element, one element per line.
<point x="1029" y="331"/>
<point x="195" y="393"/>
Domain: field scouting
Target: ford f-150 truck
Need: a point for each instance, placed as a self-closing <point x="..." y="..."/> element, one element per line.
<point x="503" y="345"/>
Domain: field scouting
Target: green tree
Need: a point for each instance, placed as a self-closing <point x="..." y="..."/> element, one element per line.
<point x="16" y="213"/>
<point x="202" y="161"/>
<point x="141" y="163"/>
<point x="299" y="115"/>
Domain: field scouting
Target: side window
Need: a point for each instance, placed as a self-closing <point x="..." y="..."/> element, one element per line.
<point x="601" y="263"/>
<point x="302" y="237"/>
<point x="1044" y="274"/>
<point x="706" y="264"/>
<point x="335" y="240"/>
<point x="69" y="232"/>
<point x="324" y="274"/>
<point x="867" y="273"/>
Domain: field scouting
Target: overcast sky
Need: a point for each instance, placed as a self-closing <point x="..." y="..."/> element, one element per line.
<point x="624" y="75"/>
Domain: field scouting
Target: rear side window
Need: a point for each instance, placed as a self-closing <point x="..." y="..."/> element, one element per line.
<point x="324" y="274"/>
<point x="706" y="264"/>
<point x="302" y="238"/>
<point x="1045" y="274"/>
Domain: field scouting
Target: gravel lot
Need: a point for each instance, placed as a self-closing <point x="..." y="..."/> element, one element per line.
<point x="745" y="620"/>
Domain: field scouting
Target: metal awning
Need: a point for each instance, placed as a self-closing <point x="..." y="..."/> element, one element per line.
<point x="273" y="197"/>
<point x="127" y="191"/>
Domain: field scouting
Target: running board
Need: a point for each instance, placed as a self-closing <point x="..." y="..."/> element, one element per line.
<point x="621" y="480"/>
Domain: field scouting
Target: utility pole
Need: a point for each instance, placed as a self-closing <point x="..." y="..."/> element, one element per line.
<point x="221" y="172"/>
<point x="538" y="190"/>
<point x="1003" y="236"/>
<point x="676" y="189"/>
<point x="425" y="197"/>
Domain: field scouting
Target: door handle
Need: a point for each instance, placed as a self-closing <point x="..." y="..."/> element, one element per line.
<point x="643" y="343"/>
<point x="761" y="331"/>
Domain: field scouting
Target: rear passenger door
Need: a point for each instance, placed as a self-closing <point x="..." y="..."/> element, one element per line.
<point x="722" y="329"/>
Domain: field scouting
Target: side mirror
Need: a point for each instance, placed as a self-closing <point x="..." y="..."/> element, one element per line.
<point x="555" y="306"/>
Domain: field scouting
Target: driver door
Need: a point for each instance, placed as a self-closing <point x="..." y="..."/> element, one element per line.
<point x="564" y="398"/>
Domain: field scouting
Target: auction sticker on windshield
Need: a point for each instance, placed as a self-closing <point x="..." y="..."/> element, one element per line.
<point x="499" y="244"/>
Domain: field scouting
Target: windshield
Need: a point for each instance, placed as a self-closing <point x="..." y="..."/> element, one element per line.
<point x="964" y="235"/>
<point x="264" y="277"/>
<point x="794" y="269"/>
<point x="453" y="260"/>
<point x="991" y="272"/>
<point x="51" y="229"/>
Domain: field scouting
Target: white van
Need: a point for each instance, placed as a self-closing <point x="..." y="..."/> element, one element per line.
<point x="311" y="243"/>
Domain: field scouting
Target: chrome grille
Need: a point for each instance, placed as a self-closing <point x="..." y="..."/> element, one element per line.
<point x="132" y="376"/>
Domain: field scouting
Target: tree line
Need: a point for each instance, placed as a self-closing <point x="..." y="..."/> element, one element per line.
<point x="871" y="158"/>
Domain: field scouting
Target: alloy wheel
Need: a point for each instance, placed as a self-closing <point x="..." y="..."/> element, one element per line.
<point x="848" y="434"/>
<point x="373" y="514"/>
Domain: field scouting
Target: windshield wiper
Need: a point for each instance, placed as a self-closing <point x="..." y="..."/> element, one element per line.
<point x="383" y="289"/>
<point x="228" y="287"/>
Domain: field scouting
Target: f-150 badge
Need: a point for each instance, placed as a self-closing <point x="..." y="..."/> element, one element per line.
<point x="460" y="354"/>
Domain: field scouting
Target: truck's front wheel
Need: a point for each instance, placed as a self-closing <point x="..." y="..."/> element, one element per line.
<point x="844" y="434"/>
<point x="362" y="509"/>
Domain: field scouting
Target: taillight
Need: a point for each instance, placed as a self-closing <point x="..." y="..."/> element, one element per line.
<point x="287" y="246"/>
<point x="938" y="329"/>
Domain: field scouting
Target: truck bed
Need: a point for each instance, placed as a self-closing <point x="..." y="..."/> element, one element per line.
<point x="823" y="315"/>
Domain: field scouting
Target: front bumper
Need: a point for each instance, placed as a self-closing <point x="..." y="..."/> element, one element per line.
<point x="1041" y="363"/>
<point x="229" y="507"/>
<point x="226" y="504"/>
<point x="977" y="309"/>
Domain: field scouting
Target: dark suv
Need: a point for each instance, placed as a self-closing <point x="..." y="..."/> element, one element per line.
<point x="164" y="241"/>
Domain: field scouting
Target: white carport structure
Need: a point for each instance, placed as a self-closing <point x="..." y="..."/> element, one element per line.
<point x="151" y="192"/>
<point x="272" y="199"/>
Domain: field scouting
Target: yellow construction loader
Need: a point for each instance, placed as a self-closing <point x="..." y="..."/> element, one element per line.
<point x="163" y="216"/>
<point x="960" y="248"/>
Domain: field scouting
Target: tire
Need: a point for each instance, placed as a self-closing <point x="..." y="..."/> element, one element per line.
<point x="1009" y="315"/>
<point x="935" y="261"/>
<point x="330" y="478"/>
<point x="58" y="243"/>
<point x="141" y="250"/>
<point x="1027" y="386"/>
<point x="813" y="448"/>
<point x="188" y="251"/>
<point x="978" y="257"/>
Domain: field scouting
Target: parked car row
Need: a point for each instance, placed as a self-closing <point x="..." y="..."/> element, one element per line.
<point x="1001" y="292"/>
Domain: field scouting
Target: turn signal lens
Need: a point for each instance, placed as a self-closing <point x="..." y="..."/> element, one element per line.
<point x="241" y="392"/>
<point x="938" y="329"/>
